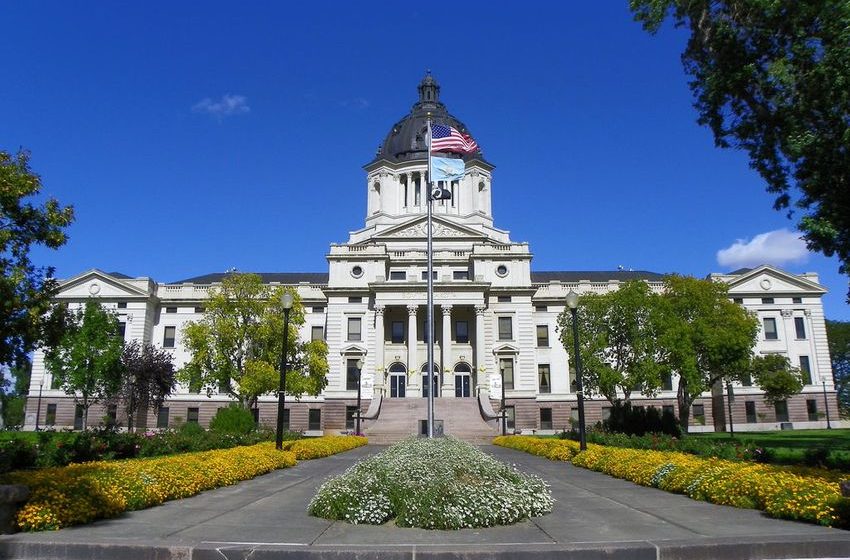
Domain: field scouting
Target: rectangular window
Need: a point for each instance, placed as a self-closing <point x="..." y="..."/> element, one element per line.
<point x="698" y="412"/>
<point x="510" y="417"/>
<point x="171" y="310"/>
<point x="398" y="332"/>
<point x="667" y="381"/>
<point x="544" y="378"/>
<point x="668" y="409"/>
<point x="425" y="330"/>
<point x="506" y="329"/>
<point x="542" y="336"/>
<point x="122" y="305"/>
<point x="354" y="328"/>
<point x="350" y="412"/>
<point x="317" y="333"/>
<point x="812" y="410"/>
<point x="162" y="417"/>
<point x="770" y="329"/>
<point x="398" y="275"/>
<point x="806" y="370"/>
<point x="200" y="310"/>
<point x="460" y="275"/>
<point x="112" y="413"/>
<point x="800" y="327"/>
<point x="767" y="300"/>
<point x="541" y="308"/>
<point x="545" y="418"/>
<point x="168" y="337"/>
<point x="462" y="332"/>
<point x="122" y="329"/>
<point x="425" y="275"/>
<point x="50" y="417"/>
<point x="192" y="415"/>
<point x="797" y="300"/>
<point x="739" y="301"/>
<point x="504" y="299"/>
<point x="506" y="367"/>
<point x="750" y="407"/>
<point x="781" y="409"/>
<point x="78" y="417"/>
<point x="352" y="375"/>
<point x="355" y="299"/>
<point x="318" y="309"/>
<point x="606" y="413"/>
<point x="286" y="420"/>
<point x="746" y="379"/>
<point x="314" y="419"/>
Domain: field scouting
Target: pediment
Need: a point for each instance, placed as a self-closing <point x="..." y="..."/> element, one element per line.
<point x="506" y="349"/>
<point x="354" y="350"/>
<point x="96" y="283"/>
<point x="767" y="279"/>
<point x="417" y="229"/>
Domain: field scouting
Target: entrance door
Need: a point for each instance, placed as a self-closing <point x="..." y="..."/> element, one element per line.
<point x="436" y="385"/>
<point x="462" y="386"/>
<point x="398" y="386"/>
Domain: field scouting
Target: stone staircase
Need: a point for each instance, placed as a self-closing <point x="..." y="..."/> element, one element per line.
<point x="400" y="419"/>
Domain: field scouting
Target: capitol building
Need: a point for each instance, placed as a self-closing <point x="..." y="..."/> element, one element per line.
<point x="494" y="319"/>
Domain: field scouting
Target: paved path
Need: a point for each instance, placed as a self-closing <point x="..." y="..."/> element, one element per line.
<point x="595" y="516"/>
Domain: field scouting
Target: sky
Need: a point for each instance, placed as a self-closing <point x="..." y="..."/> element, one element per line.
<point x="199" y="137"/>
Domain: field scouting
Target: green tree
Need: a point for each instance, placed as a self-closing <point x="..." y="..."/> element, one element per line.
<point x="838" y="334"/>
<point x="14" y="400"/>
<point x="147" y="379"/>
<point x="776" y="377"/>
<point x="25" y="289"/>
<point x="86" y="362"/>
<point x="705" y="338"/>
<point x="618" y="341"/>
<point x="236" y="348"/>
<point x="773" y="78"/>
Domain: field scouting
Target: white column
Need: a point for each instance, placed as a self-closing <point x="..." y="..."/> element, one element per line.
<point x="380" y="364"/>
<point x="412" y="361"/>
<point x="481" y="376"/>
<point x="446" y="346"/>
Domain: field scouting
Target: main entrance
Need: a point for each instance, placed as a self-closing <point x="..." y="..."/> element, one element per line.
<point x="398" y="381"/>
<point x="463" y="381"/>
<point x="436" y="382"/>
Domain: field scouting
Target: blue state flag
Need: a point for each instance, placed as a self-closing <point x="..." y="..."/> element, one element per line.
<point x="447" y="169"/>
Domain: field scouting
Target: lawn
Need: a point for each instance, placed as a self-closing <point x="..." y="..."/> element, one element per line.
<point x="789" y="439"/>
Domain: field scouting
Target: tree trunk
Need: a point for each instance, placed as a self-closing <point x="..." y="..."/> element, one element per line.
<point x="718" y="411"/>
<point x="141" y="418"/>
<point x="684" y="405"/>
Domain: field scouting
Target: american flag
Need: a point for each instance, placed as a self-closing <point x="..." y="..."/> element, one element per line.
<point x="448" y="139"/>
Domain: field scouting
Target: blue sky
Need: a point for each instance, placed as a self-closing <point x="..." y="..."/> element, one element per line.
<point x="193" y="138"/>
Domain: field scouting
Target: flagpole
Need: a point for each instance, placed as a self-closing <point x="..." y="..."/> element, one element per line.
<point x="430" y="311"/>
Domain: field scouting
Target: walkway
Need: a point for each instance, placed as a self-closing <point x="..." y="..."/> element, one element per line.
<point x="595" y="516"/>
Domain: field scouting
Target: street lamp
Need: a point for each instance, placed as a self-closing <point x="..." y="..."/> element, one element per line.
<point x="286" y="304"/>
<point x="504" y="410"/>
<point x="826" y="406"/>
<point x="730" y="398"/>
<point x="572" y="303"/>
<point x="357" y="418"/>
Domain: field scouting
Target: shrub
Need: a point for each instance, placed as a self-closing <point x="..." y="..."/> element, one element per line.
<point x="233" y="420"/>
<point x="626" y="419"/>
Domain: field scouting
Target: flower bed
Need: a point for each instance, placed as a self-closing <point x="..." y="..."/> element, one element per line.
<point x="799" y="493"/>
<point x="434" y="484"/>
<point x="80" y="493"/>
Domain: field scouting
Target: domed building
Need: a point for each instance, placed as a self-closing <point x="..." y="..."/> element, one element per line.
<point x="494" y="318"/>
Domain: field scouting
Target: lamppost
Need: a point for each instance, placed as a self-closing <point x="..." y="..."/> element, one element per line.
<point x="38" y="405"/>
<point x="826" y="407"/>
<point x="357" y="418"/>
<point x="572" y="303"/>
<point x="504" y="410"/>
<point x="286" y="303"/>
<point x="730" y="398"/>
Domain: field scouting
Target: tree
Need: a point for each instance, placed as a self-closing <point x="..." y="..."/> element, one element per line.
<point x="236" y="348"/>
<point x="838" y="334"/>
<point x="773" y="79"/>
<point x="86" y="363"/>
<point x="25" y="289"/>
<point x="776" y="377"/>
<point x="618" y="338"/>
<point x="705" y="338"/>
<point x="148" y="378"/>
<point x="14" y="401"/>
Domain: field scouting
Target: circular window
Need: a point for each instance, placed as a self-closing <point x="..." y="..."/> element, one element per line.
<point x="765" y="284"/>
<point x="502" y="270"/>
<point x="94" y="288"/>
<point x="357" y="271"/>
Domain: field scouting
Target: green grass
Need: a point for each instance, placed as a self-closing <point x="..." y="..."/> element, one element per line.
<point x="31" y="437"/>
<point x="789" y="439"/>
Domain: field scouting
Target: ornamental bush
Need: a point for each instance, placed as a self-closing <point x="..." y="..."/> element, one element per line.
<point x="799" y="493"/>
<point x="233" y="419"/>
<point x="439" y="483"/>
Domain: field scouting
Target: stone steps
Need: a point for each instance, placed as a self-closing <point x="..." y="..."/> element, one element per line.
<point x="400" y="418"/>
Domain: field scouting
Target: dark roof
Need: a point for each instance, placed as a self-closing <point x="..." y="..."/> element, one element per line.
<point x="119" y="275"/>
<point x="741" y="271"/>
<point x="281" y="277"/>
<point x="543" y="277"/>
<point x="407" y="139"/>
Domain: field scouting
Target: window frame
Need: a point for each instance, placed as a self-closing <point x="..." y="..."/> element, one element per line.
<point x="314" y="424"/>
<point x="540" y="374"/>
<point x="465" y="338"/>
<point x="800" y="328"/>
<point x="545" y="338"/>
<point x="358" y="321"/>
<point x="397" y="336"/>
<point x="507" y="364"/>
<point x="546" y="423"/>
<point x="770" y="334"/>
<point x="505" y="334"/>
<point x="169" y="342"/>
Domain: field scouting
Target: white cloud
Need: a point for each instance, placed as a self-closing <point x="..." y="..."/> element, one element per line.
<point x="776" y="247"/>
<point x="227" y="106"/>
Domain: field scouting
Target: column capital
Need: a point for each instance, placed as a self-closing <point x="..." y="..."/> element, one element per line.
<point x="412" y="309"/>
<point x="807" y="312"/>
<point x="447" y="309"/>
<point x="379" y="310"/>
<point x="787" y="313"/>
<point x="480" y="309"/>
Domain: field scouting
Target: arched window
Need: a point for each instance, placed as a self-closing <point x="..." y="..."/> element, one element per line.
<point x="436" y="380"/>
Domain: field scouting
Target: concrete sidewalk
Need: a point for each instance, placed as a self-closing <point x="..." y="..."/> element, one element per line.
<point x="595" y="516"/>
